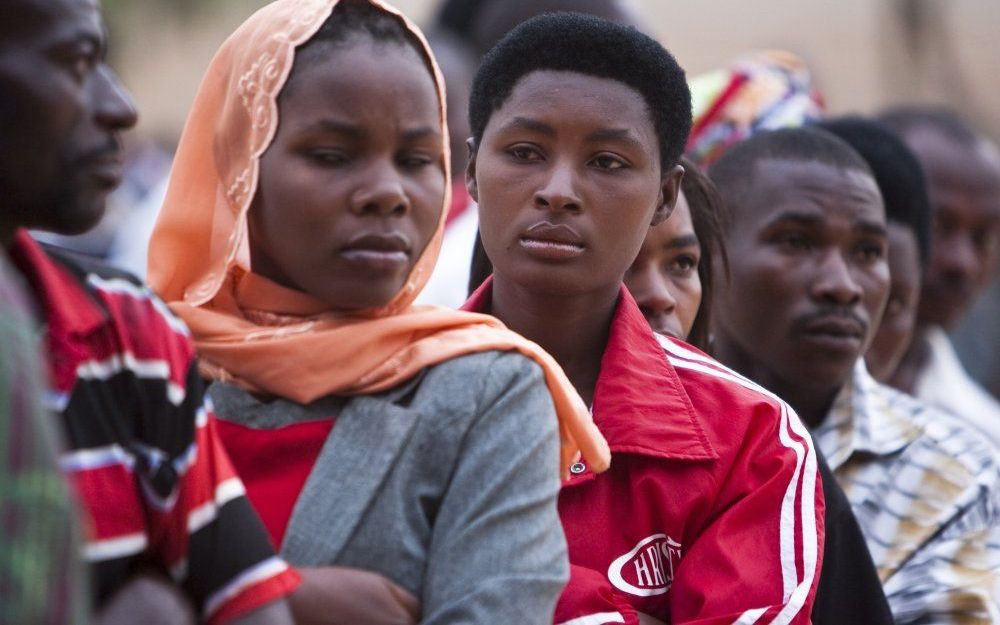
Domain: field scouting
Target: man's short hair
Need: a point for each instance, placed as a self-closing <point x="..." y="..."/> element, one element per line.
<point x="904" y="119"/>
<point x="898" y="173"/>
<point x="734" y="172"/>
<point x="588" y="45"/>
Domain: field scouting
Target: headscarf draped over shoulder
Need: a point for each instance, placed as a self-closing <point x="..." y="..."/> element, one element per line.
<point x="267" y="338"/>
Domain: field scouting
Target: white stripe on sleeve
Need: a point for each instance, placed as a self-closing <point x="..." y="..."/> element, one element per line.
<point x="598" y="618"/>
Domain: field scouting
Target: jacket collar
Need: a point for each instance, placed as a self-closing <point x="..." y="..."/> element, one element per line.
<point x="867" y="418"/>
<point x="640" y="404"/>
<point x="67" y="308"/>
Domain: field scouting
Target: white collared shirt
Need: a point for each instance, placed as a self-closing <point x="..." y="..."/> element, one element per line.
<point x="944" y="383"/>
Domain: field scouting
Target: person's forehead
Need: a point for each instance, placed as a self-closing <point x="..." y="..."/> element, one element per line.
<point x="950" y="164"/>
<point x="577" y="94"/>
<point x="48" y="21"/>
<point x="777" y="183"/>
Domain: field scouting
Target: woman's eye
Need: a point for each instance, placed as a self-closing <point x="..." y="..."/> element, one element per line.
<point x="328" y="157"/>
<point x="683" y="265"/>
<point x="524" y="153"/>
<point x="607" y="161"/>
<point x="415" y="161"/>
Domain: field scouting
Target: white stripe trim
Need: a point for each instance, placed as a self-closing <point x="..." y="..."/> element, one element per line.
<point x="183" y="462"/>
<point x="113" y="548"/>
<point x="201" y="416"/>
<point x="96" y="458"/>
<point x="598" y="618"/>
<point x="789" y="570"/>
<point x="795" y="593"/>
<point x="224" y="493"/>
<point x="268" y="568"/>
<point x="750" y="616"/>
<point x="55" y="401"/>
<point x="175" y="393"/>
<point x="118" y="285"/>
<point x="157" y="369"/>
<point x="104" y="369"/>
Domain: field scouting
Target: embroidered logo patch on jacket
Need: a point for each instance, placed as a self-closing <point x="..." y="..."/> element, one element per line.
<point x="648" y="569"/>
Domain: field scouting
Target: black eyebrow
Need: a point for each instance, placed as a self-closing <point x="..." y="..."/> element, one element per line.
<point x="533" y="125"/>
<point x="335" y="126"/>
<point x="872" y="227"/>
<point x="355" y="132"/>
<point x="415" y="134"/>
<point x="803" y="219"/>
<point x="685" y="240"/>
<point x="623" y="135"/>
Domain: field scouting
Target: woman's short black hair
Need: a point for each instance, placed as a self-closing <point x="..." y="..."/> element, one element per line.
<point x="706" y="216"/>
<point x="596" y="47"/>
<point x="898" y="174"/>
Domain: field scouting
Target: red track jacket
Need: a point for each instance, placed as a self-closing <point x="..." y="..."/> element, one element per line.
<point x="712" y="510"/>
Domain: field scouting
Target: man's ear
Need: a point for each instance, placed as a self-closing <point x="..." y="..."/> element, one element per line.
<point x="470" y="170"/>
<point x="670" y="187"/>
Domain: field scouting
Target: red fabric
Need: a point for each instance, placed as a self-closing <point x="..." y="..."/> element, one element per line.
<point x="121" y="368"/>
<point x="274" y="465"/>
<point x="257" y="595"/>
<point x="710" y="115"/>
<point x="706" y="511"/>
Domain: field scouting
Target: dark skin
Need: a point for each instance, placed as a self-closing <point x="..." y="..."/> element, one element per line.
<point x="808" y="283"/>
<point x="62" y="115"/>
<point x="664" y="276"/>
<point x="351" y="189"/>
<point x="569" y="181"/>
<point x="61" y="119"/>
<point x="351" y="192"/>
<point x="963" y="182"/>
<point x="900" y="317"/>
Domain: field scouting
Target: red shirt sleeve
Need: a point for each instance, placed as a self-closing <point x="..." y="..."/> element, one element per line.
<point x="201" y="525"/>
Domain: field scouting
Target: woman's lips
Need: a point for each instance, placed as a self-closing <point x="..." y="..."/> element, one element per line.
<point x="378" y="251"/>
<point x="547" y="241"/>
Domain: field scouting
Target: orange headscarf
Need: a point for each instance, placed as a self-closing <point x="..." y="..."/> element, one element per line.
<point x="267" y="338"/>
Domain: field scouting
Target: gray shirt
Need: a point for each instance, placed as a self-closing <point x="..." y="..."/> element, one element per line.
<point x="446" y="484"/>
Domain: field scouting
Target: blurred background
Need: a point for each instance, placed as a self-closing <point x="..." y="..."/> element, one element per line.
<point x="864" y="54"/>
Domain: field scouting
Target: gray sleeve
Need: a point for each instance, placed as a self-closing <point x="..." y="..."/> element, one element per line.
<point x="497" y="552"/>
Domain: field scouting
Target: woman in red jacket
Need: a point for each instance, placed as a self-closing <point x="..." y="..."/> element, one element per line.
<point x="711" y="511"/>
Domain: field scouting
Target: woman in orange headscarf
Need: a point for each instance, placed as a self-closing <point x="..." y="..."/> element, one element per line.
<point x="304" y="214"/>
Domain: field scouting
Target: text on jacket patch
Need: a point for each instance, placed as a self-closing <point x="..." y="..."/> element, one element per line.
<point x="648" y="569"/>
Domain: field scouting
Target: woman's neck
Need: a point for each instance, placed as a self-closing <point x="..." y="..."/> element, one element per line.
<point x="572" y="328"/>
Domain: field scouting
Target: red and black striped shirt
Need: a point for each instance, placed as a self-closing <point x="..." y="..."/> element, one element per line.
<point x="143" y="452"/>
